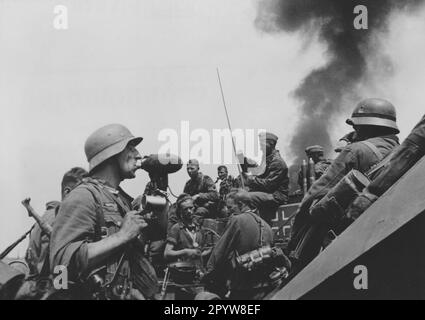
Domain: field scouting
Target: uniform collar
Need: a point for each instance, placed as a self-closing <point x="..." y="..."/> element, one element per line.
<point x="271" y="155"/>
<point x="192" y="226"/>
<point x="198" y="178"/>
<point x="112" y="190"/>
<point x="107" y="187"/>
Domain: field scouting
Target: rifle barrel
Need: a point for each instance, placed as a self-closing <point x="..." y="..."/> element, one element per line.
<point x="13" y="245"/>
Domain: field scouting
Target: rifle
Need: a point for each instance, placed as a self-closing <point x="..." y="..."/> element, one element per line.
<point x="47" y="229"/>
<point x="13" y="245"/>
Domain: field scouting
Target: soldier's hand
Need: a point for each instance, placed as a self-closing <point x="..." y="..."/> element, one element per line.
<point x="132" y="225"/>
<point x="137" y="203"/>
<point x="360" y="205"/>
<point x="192" y="253"/>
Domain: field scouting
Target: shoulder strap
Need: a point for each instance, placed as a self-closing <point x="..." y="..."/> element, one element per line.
<point x="383" y="161"/>
<point x="379" y="165"/>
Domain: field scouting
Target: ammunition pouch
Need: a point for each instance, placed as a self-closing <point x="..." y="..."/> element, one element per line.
<point x="333" y="205"/>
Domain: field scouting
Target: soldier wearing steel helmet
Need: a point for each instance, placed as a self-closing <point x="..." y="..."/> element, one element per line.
<point x="402" y="159"/>
<point x="97" y="236"/>
<point x="374" y="121"/>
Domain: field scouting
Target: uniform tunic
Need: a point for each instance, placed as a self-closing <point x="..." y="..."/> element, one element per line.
<point x="357" y="156"/>
<point x="203" y="186"/>
<point x="404" y="157"/>
<point x="181" y="238"/>
<point x="274" y="180"/>
<point x="225" y="186"/>
<point x="79" y="222"/>
<point x="270" y="189"/>
<point x="242" y="234"/>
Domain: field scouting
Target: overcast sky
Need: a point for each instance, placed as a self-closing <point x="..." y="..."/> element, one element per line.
<point x="150" y="65"/>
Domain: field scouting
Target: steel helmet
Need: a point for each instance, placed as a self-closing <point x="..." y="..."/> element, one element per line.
<point x="374" y="112"/>
<point x="107" y="142"/>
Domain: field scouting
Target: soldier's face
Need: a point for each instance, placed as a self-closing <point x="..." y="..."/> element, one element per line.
<point x="232" y="206"/>
<point x="267" y="145"/>
<point x="222" y="173"/>
<point x="187" y="208"/>
<point x="192" y="170"/>
<point x="316" y="157"/>
<point x="67" y="189"/>
<point x="127" y="162"/>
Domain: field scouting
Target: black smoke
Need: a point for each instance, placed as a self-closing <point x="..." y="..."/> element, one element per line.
<point x="321" y="94"/>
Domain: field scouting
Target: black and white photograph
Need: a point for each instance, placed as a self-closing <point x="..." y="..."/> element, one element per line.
<point x="230" y="151"/>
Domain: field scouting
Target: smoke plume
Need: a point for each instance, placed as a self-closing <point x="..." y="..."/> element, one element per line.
<point x="323" y="94"/>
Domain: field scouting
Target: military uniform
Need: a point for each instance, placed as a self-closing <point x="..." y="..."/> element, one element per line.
<point x="403" y="158"/>
<point x="410" y="151"/>
<point x="92" y="211"/>
<point x="358" y="156"/>
<point x="225" y="186"/>
<point x="204" y="187"/>
<point x="185" y="237"/>
<point x="270" y="189"/>
<point x="241" y="235"/>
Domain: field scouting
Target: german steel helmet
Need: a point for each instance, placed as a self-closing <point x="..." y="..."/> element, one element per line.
<point x="107" y="142"/>
<point x="374" y="112"/>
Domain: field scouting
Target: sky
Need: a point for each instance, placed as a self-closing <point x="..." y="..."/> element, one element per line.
<point x="151" y="65"/>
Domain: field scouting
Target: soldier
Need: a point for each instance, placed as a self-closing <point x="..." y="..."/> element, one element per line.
<point x="270" y="189"/>
<point x="38" y="284"/>
<point x="97" y="236"/>
<point x="202" y="189"/>
<point x="184" y="241"/>
<point x="374" y="121"/>
<point x="226" y="181"/>
<point x="231" y="204"/>
<point x="245" y="232"/>
<point x="403" y="158"/>
<point x="316" y="153"/>
<point x="38" y="247"/>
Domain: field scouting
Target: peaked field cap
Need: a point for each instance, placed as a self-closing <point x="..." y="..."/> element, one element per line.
<point x="314" y="149"/>
<point x="268" y="136"/>
<point x="107" y="142"/>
